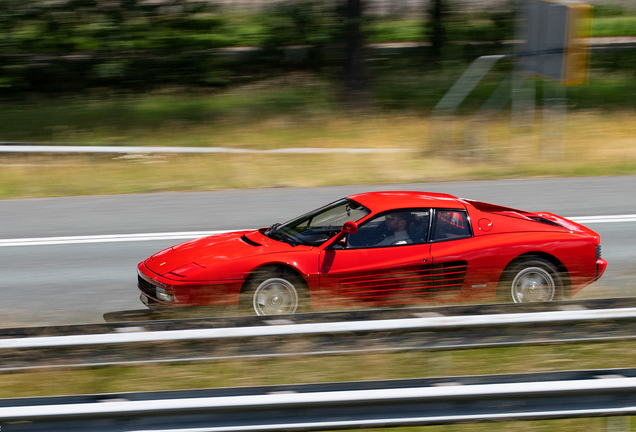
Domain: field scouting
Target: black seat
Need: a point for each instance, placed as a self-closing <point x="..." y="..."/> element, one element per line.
<point x="418" y="229"/>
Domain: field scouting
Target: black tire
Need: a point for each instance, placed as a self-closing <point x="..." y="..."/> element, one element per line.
<point x="274" y="293"/>
<point x="531" y="280"/>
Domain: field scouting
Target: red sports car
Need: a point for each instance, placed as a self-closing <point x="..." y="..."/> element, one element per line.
<point x="378" y="249"/>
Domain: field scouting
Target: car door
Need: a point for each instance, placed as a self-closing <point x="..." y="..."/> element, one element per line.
<point x="459" y="259"/>
<point x="367" y="267"/>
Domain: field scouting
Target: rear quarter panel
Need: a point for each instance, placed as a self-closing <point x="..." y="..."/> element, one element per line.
<point x="489" y="254"/>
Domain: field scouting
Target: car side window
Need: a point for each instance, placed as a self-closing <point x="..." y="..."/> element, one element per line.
<point x="395" y="228"/>
<point x="450" y="224"/>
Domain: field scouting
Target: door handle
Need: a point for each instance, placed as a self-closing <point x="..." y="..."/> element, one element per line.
<point x="425" y="260"/>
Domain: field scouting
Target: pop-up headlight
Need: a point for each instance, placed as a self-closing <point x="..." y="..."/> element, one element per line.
<point x="184" y="270"/>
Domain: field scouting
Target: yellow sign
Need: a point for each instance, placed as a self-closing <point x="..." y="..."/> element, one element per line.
<point x="577" y="61"/>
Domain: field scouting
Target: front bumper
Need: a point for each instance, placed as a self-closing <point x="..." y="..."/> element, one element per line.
<point x="208" y="293"/>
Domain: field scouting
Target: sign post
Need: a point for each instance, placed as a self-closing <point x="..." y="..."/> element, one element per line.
<point x="555" y="49"/>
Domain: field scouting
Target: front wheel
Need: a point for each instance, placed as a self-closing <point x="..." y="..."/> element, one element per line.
<point x="534" y="280"/>
<point x="274" y="295"/>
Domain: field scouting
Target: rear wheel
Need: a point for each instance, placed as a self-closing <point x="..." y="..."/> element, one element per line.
<point x="533" y="280"/>
<point x="275" y="293"/>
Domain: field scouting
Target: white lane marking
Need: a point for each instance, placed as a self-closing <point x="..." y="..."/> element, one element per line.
<point x="146" y="150"/>
<point x="604" y="219"/>
<point x="44" y="241"/>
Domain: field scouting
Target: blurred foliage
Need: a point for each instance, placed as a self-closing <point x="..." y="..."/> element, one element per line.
<point x="608" y="10"/>
<point x="397" y="30"/>
<point x="106" y="47"/>
<point x="77" y="44"/>
<point x="614" y="26"/>
<point x="303" y="22"/>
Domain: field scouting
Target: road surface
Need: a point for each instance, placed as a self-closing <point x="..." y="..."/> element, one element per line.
<point x="71" y="281"/>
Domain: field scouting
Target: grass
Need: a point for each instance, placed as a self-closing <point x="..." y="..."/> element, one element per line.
<point x="290" y="111"/>
<point x="152" y="118"/>
<point x="507" y="154"/>
<point x="317" y="369"/>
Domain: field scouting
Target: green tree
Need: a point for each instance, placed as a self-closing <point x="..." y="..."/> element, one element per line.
<point x="74" y="44"/>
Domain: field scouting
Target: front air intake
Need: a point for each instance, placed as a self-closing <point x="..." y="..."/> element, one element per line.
<point x="249" y="242"/>
<point x="146" y="287"/>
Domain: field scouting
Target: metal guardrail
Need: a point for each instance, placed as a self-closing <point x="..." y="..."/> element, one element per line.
<point x="432" y="328"/>
<point x="429" y="323"/>
<point x="335" y="406"/>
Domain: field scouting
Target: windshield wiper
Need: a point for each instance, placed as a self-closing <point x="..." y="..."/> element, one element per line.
<point x="281" y="235"/>
<point x="288" y="238"/>
<point x="271" y="229"/>
<point x="274" y="233"/>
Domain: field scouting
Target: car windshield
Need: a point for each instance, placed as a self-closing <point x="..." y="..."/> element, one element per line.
<point x="316" y="227"/>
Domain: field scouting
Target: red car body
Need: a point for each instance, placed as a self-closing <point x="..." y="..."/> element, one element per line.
<point x="458" y="250"/>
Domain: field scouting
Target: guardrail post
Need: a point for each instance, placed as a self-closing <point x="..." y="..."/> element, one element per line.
<point x="443" y="115"/>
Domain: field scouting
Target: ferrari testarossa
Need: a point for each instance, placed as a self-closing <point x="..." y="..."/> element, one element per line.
<point x="380" y="249"/>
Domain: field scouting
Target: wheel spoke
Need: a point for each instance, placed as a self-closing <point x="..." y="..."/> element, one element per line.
<point x="278" y="289"/>
<point x="261" y="299"/>
<point x="533" y="284"/>
<point x="275" y="296"/>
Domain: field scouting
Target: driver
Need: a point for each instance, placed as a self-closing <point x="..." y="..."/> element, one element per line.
<point x="397" y="222"/>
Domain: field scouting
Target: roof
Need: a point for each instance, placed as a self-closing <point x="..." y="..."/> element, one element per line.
<point x="381" y="201"/>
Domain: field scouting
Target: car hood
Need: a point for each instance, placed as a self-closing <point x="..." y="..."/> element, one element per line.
<point x="211" y="251"/>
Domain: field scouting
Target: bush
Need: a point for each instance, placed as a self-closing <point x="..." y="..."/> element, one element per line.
<point x="79" y="44"/>
<point x="608" y="10"/>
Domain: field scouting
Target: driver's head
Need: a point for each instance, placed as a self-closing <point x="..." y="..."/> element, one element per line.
<point x="397" y="222"/>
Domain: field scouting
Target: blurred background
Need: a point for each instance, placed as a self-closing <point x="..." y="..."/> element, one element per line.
<point x="264" y="75"/>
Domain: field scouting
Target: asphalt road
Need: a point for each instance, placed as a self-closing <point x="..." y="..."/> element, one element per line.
<point x="79" y="283"/>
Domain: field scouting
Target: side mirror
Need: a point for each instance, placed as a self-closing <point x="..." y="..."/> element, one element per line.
<point x="350" y="227"/>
